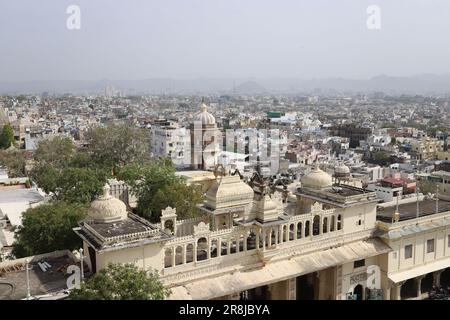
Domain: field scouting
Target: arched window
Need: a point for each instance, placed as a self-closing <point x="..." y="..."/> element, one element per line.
<point x="168" y="226"/>
<point x="307" y="223"/>
<point x="214" y="248"/>
<point x="339" y="222"/>
<point x="325" y="225"/>
<point x="168" y="258"/>
<point x="189" y="253"/>
<point x="178" y="255"/>
<point x="333" y="221"/>
<point x="233" y="245"/>
<point x="202" y="249"/>
<point x="291" y="232"/>
<point x="299" y="230"/>
<point x="284" y="234"/>
<point x="316" y="225"/>
<point x="272" y="239"/>
<point x="224" y="246"/>
<point x="241" y="243"/>
<point x="251" y="241"/>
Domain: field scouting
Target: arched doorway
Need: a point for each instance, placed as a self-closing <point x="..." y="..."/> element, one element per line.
<point x="427" y="283"/>
<point x="316" y="225"/>
<point x="358" y="292"/>
<point x="408" y="289"/>
<point x="306" y="287"/>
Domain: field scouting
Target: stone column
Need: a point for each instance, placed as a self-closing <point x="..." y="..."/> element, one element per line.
<point x="437" y="278"/>
<point x="257" y="239"/>
<point x="183" y="254"/>
<point x="174" y="254"/>
<point x="276" y="236"/>
<point x="194" y="253"/>
<point x="245" y="243"/>
<point x="208" y="253"/>
<point x="295" y="231"/>
<point x="387" y="294"/>
<point x="418" y="285"/>
<point x="219" y="247"/>
<point x="264" y="240"/>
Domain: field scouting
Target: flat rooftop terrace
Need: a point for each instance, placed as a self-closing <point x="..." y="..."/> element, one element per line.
<point x="409" y="210"/>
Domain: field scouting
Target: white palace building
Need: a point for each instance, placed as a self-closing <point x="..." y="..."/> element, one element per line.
<point x="325" y="240"/>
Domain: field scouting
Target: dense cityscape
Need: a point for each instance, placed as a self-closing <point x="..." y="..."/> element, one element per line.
<point x="224" y="159"/>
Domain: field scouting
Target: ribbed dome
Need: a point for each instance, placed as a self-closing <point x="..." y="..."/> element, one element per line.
<point x="342" y="169"/>
<point x="107" y="208"/>
<point x="229" y="191"/>
<point x="317" y="179"/>
<point x="204" y="116"/>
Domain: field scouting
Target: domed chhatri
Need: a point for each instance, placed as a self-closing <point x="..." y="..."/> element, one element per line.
<point x="342" y="169"/>
<point x="204" y="116"/>
<point x="317" y="179"/>
<point x="107" y="209"/>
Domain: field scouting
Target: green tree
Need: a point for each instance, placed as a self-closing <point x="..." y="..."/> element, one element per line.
<point x="116" y="145"/>
<point x="6" y="137"/>
<point x="74" y="185"/>
<point x="47" y="228"/>
<point x="14" y="161"/>
<point x="426" y="186"/>
<point x="177" y="195"/>
<point x="156" y="186"/>
<point x="121" y="282"/>
<point x="56" y="152"/>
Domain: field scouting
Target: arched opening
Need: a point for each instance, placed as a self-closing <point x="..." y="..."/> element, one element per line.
<point x="189" y="253"/>
<point x="408" y="289"/>
<point x="333" y="221"/>
<point x="168" y="226"/>
<point x="325" y="225"/>
<point x="291" y="232"/>
<point x="224" y="247"/>
<point x="272" y="237"/>
<point x="316" y="225"/>
<point x="305" y="286"/>
<point x="284" y="234"/>
<point x="445" y="278"/>
<point x="339" y="222"/>
<point x="427" y="283"/>
<point x="358" y="292"/>
<point x="299" y="230"/>
<point x="241" y="243"/>
<point x="202" y="249"/>
<point x="168" y="258"/>
<point x="233" y="246"/>
<point x="251" y="241"/>
<point x="214" y="248"/>
<point x="178" y="255"/>
<point x="307" y="223"/>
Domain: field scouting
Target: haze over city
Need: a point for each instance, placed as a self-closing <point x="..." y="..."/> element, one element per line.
<point x="231" y="39"/>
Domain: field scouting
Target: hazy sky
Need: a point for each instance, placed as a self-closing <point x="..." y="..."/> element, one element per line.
<point x="137" y="39"/>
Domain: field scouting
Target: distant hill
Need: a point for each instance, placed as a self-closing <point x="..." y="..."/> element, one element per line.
<point x="418" y="84"/>
<point x="250" y="87"/>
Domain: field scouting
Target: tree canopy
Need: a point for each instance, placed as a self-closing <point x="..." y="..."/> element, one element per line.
<point x="116" y="145"/>
<point x="6" y="137"/>
<point x="121" y="282"/>
<point x="47" y="228"/>
<point x="156" y="186"/>
<point x="14" y="161"/>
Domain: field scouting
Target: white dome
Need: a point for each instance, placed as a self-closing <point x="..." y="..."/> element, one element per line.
<point x="317" y="179"/>
<point x="107" y="208"/>
<point x="204" y="116"/>
<point x="342" y="169"/>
